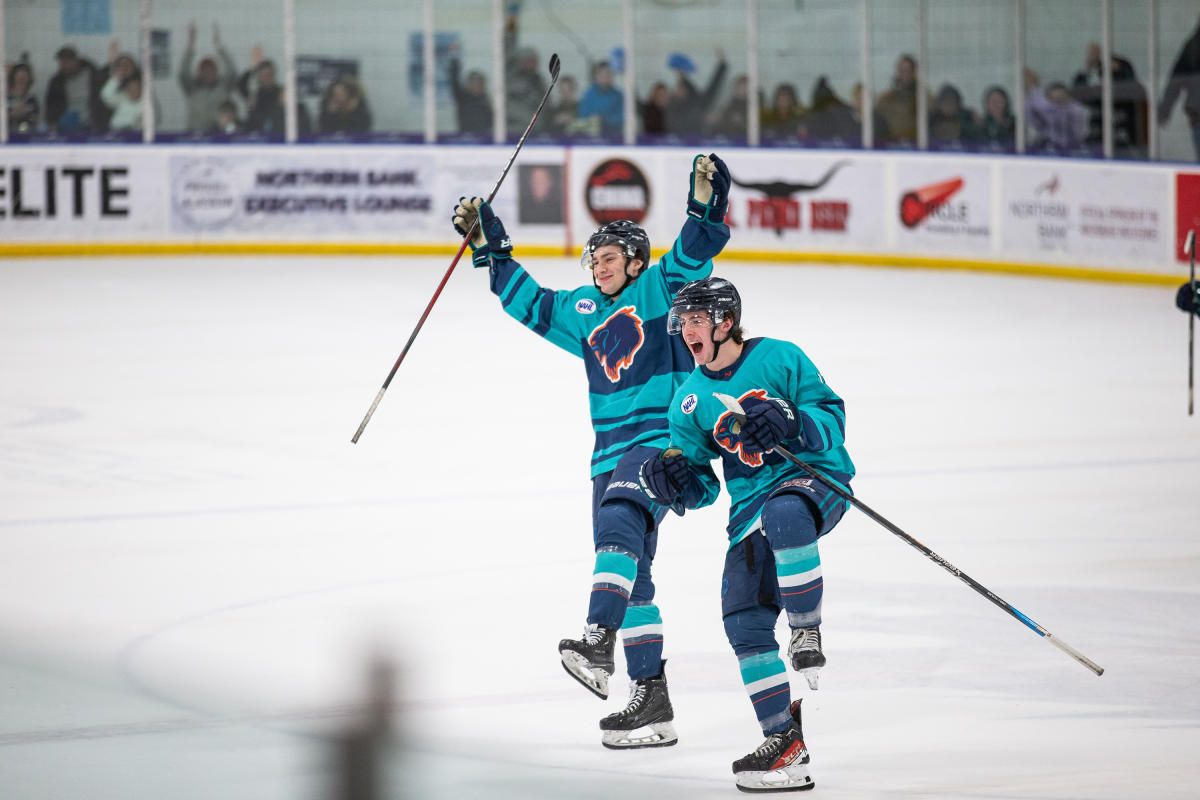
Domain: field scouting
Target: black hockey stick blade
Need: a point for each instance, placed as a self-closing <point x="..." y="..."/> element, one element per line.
<point x="735" y="408"/>
<point x="555" y="66"/>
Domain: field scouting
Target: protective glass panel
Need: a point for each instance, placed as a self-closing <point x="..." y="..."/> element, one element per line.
<point x="464" y="74"/>
<point x="810" y="74"/>
<point x="1130" y="73"/>
<point x="589" y="102"/>
<point x="1062" y="106"/>
<point x="75" y="71"/>
<point x="1178" y="112"/>
<point x="972" y="80"/>
<point x="894" y="43"/>
<point x="691" y="84"/>
<point x="222" y="71"/>
<point x="358" y="65"/>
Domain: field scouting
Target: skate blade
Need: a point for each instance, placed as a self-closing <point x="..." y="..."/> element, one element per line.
<point x="656" y="734"/>
<point x="794" y="778"/>
<point x="811" y="675"/>
<point x="594" y="679"/>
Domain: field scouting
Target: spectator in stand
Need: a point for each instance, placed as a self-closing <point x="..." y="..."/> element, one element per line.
<point x="830" y="120"/>
<point x="524" y="84"/>
<point x="73" y="94"/>
<point x="227" y="122"/>
<point x="1130" y="103"/>
<point x="126" y="65"/>
<point x="997" y="128"/>
<point x="1059" y="122"/>
<point x="654" y="110"/>
<point x="688" y="106"/>
<point x="264" y="97"/>
<point x="781" y="120"/>
<point x="949" y="123"/>
<point x="122" y="91"/>
<point x="472" y="105"/>
<point x="879" y="124"/>
<point x="207" y="89"/>
<point x="604" y="102"/>
<point x="344" y="108"/>
<point x="897" y="107"/>
<point x="563" y="118"/>
<point x="22" y="102"/>
<point x="733" y="119"/>
<point x="1185" y="78"/>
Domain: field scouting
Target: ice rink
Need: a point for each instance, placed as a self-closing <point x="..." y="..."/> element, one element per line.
<point x="195" y="562"/>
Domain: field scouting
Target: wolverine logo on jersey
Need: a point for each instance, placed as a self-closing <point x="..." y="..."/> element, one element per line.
<point x="730" y="439"/>
<point x="616" y="341"/>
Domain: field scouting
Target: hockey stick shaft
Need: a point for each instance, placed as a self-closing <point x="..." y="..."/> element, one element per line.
<point x="946" y="565"/>
<point x="1190" y="246"/>
<point x="555" y="66"/>
<point x="735" y="409"/>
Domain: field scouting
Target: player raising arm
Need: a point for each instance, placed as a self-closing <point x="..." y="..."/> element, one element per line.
<point x="617" y="323"/>
<point x="777" y="512"/>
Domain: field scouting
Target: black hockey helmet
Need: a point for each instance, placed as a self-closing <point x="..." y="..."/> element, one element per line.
<point x="626" y="234"/>
<point x="717" y="296"/>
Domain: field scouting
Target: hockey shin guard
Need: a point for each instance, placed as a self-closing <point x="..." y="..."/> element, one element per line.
<point x="792" y="533"/>
<point x="621" y="527"/>
<point x="642" y="633"/>
<point x="752" y="634"/>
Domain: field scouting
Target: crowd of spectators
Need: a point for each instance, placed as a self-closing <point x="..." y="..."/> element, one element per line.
<point x="1062" y="116"/>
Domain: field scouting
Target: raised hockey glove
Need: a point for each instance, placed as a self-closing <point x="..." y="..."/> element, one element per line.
<point x="708" y="197"/>
<point x="664" y="476"/>
<point x="490" y="240"/>
<point x="769" y="423"/>
<point x="466" y="214"/>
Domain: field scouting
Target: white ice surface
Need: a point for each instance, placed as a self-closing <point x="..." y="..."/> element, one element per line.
<point x="195" y="561"/>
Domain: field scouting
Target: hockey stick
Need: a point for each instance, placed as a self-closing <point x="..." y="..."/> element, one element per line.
<point x="1189" y="246"/>
<point x="555" y="66"/>
<point x="739" y="415"/>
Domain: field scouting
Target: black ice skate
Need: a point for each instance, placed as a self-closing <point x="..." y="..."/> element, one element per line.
<point x="589" y="659"/>
<point x="805" y="653"/>
<point x="780" y="764"/>
<point x="646" y="719"/>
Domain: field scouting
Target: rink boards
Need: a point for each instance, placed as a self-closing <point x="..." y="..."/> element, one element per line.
<point x="1092" y="219"/>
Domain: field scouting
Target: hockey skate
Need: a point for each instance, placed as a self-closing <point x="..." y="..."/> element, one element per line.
<point x="589" y="659"/>
<point x="780" y="764"/>
<point x="646" y="719"/>
<point x="805" y="653"/>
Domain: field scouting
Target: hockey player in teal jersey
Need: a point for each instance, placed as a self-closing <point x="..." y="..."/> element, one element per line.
<point x="618" y="325"/>
<point x="777" y="512"/>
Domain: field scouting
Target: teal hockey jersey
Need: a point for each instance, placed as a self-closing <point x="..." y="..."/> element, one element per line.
<point x="703" y="428"/>
<point x="633" y="366"/>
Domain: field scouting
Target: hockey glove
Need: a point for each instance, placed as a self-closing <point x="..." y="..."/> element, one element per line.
<point x="664" y="476"/>
<point x="465" y="215"/>
<point x="708" y="198"/>
<point x="1186" y="297"/>
<point x="769" y="423"/>
<point x="490" y="240"/>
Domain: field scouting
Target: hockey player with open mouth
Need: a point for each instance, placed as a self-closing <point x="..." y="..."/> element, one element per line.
<point x="745" y="398"/>
<point x="616" y="323"/>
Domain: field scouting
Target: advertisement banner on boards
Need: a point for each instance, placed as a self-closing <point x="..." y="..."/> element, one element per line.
<point x="1087" y="214"/>
<point x="82" y="195"/>
<point x="943" y="206"/>
<point x="780" y="200"/>
<point x="275" y="193"/>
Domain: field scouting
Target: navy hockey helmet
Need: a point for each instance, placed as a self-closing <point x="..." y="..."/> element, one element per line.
<point x="717" y="296"/>
<point x="624" y="233"/>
